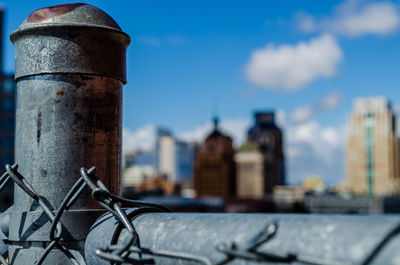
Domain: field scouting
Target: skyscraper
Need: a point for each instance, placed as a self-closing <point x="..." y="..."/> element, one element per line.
<point x="174" y="158"/>
<point x="166" y="154"/>
<point x="7" y="121"/>
<point x="250" y="172"/>
<point x="214" y="172"/>
<point x="373" y="148"/>
<point x="263" y="156"/>
<point x="184" y="154"/>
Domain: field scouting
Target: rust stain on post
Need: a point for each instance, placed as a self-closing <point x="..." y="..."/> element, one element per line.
<point x="46" y="13"/>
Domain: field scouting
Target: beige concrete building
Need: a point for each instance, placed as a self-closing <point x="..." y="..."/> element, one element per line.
<point x="372" y="149"/>
<point x="289" y="194"/>
<point x="166" y="155"/>
<point x="313" y="183"/>
<point x="250" y="172"/>
<point x="136" y="175"/>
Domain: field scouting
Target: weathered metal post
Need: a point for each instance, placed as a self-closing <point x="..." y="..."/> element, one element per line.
<point x="69" y="69"/>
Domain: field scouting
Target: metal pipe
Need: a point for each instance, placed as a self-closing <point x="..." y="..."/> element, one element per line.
<point x="69" y="69"/>
<point x="219" y="238"/>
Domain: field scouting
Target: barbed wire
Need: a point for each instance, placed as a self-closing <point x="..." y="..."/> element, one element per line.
<point x="122" y="253"/>
<point x="115" y="253"/>
<point x="57" y="227"/>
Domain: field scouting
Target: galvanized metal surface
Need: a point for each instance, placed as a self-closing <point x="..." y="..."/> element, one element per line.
<point x="216" y="239"/>
<point x="322" y="239"/>
<point x="74" y="38"/>
<point x="65" y="121"/>
<point x="70" y="67"/>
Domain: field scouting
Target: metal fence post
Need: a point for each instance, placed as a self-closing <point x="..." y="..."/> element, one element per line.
<point x="69" y="69"/>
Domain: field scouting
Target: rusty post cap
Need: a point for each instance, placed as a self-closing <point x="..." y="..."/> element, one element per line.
<point x="69" y="14"/>
<point x="70" y="38"/>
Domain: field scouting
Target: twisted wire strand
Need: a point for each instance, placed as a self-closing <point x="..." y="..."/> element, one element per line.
<point x="117" y="254"/>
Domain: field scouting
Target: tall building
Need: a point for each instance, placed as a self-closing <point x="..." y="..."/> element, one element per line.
<point x="214" y="170"/>
<point x="184" y="154"/>
<point x="166" y="154"/>
<point x="175" y="158"/>
<point x="7" y="121"/>
<point x="250" y="172"/>
<point x="263" y="156"/>
<point x="373" y="148"/>
<point x="7" y="113"/>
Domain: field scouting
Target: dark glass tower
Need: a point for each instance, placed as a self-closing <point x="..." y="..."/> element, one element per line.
<point x="7" y="121"/>
<point x="266" y="134"/>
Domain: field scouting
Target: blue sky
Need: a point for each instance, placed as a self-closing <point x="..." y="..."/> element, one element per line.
<point x="305" y="59"/>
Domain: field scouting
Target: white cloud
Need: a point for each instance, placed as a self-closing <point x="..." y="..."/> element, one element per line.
<point x="235" y="128"/>
<point x="303" y="133"/>
<point x="280" y="117"/>
<point x="292" y="67"/>
<point x="305" y="113"/>
<point x="331" y="136"/>
<point x="330" y="101"/>
<point x="306" y="22"/>
<point x="142" y="139"/>
<point x="197" y="134"/>
<point x="353" y="19"/>
<point x="312" y="149"/>
<point x="302" y="114"/>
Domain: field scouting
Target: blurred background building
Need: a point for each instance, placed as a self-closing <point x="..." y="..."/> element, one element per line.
<point x="214" y="169"/>
<point x="250" y="172"/>
<point x="166" y="156"/>
<point x="260" y="162"/>
<point x="216" y="177"/>
<point x="7" y="120"/>
<point x="185" y="154"/>
<point x="373" y="149"/>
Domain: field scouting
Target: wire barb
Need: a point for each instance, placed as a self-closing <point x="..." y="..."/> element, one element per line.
<point x="121" y="253"/>
<point x="117" y="254"/>
<point x="56" y="230"/>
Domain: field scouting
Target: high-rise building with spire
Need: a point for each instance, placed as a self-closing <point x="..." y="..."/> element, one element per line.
<point x="214" y="170"/>
<point x="373" y="149"/>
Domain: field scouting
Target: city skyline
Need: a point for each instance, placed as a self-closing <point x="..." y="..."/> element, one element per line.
<point x="198" y="60"/>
